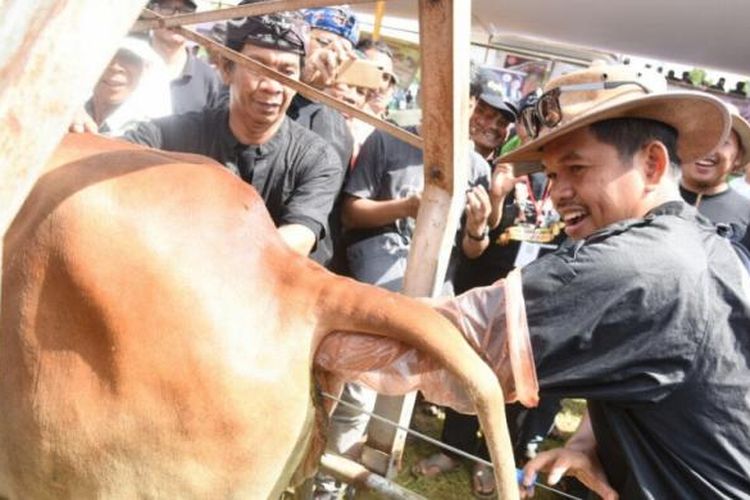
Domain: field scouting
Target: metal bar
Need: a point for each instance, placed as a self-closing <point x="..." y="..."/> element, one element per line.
<point x="353" y="473"/>
<point x="440" y="444"/>
<point x="256" y="9"/>
<point x="304" y="89"/>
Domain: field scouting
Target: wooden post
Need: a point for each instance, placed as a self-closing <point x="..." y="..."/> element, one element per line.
<point x="53" y="52"/>
<point x="445" y="131"/>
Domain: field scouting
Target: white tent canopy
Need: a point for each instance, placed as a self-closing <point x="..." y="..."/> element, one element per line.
<point x="692" y="32"/>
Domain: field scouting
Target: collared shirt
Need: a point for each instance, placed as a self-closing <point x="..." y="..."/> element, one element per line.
<point x="197" y="87"/>
<point x="296" y="173"/>
<point x="649" y="320"/>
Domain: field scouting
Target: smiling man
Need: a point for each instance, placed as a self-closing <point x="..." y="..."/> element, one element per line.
<point x="296" y="173"/>
<point x="646" y="311"/>
<point x="704" y="182"/>
<point x="490" y="122"/>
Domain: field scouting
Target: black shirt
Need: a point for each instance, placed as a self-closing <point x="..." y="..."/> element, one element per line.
<point x="728" y="207"/>
<point x="326" y="122"/>
<point x="198" y="87"/>
<point x="499" y="258"/>
<point x="296" y="173"/>
<point x="649" y="321"/>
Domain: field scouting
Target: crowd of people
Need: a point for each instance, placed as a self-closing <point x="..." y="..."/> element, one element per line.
<point x="635" y="299"/>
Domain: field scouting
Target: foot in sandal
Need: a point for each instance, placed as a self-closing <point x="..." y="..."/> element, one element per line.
<point x="434" y="465"/>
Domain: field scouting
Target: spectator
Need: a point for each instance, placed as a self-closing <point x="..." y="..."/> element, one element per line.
<point x="132" y="88"/>
<point x="704" y="182"/>
<point x="490" y="122"/>
<point x="645" y="312"/>
<point x="194" y="84"/>
<point x="296" y="173"/>
<point x="333" y="33"/>
<point x="377" y="100"/>
<point x="379" y="53"/>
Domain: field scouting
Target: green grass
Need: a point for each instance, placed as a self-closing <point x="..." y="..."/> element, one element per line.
<point x="456" y="485"/>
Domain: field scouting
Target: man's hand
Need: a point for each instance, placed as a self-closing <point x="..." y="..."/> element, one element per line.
<point x="322" y="65"/>
<point x="564" y="461"/>
<point x="503" y="180"/>
<point x="478" y="208"/>
<point x="82" y="122"/>
<point x="411" y="205"/>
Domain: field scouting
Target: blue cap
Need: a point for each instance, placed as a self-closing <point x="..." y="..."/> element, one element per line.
<point x="338" y="20"/>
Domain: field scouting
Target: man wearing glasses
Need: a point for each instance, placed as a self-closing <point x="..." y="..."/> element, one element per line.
<point x="295" y="172"/>
<point x="194" y="84"/>
<point x="646" y="311"/>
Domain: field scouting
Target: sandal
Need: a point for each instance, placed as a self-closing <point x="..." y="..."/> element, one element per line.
<point x="483" y="481"/>
<point x="434" y="465"/>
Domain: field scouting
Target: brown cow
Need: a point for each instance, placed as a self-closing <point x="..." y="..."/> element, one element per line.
<point x="157" y="336"/>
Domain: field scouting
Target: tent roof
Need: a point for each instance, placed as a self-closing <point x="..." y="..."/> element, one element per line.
<point x="693" y="32"/>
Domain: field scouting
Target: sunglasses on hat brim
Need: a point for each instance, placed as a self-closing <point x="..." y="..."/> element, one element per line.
<point x="547" y="112"/>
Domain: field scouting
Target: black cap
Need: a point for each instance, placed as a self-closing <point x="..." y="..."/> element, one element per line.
<point x="285" y="31"/>
<point x="497" y="101"/>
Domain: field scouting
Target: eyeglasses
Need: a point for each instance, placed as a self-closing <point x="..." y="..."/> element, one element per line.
<point x="547" y="112"/>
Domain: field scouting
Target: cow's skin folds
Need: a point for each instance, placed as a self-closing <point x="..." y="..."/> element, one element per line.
<point x="493" y="320"/>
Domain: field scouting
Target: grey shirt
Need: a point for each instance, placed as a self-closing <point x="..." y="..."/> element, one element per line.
<point x="649" y="321"/>
<point x="296" y="173"/>
<point x="389" y="169"/>
<point x="197" y="87"/>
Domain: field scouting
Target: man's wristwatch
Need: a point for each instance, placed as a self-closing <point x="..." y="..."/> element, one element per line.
<point x="481" y="237"/>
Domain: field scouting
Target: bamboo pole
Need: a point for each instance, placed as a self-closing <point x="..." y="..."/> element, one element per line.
<point x="304" y="89"/>
<point x="256" y="9"/>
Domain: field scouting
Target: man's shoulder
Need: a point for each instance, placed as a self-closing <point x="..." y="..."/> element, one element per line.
<point x="305" y="141"/>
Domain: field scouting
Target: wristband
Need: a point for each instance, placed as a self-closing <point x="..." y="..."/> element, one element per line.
<point x="481" y="237"/>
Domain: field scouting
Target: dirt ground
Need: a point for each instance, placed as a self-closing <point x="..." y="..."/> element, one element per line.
<point x="456" y="485"/>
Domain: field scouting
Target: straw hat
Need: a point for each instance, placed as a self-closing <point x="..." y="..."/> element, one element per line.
<point x="741" y="127"/>
<point x="701" y="120"/>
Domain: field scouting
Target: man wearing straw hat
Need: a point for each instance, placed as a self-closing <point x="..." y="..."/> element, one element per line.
<point x="646" y="311"/>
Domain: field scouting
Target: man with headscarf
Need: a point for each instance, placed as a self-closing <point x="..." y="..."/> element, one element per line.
<point x="294" y="170"/>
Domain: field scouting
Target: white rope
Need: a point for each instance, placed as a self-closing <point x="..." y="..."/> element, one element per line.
<point x="440" y="444"/>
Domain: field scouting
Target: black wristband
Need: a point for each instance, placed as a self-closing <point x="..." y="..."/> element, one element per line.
<point x="481" y="237"/>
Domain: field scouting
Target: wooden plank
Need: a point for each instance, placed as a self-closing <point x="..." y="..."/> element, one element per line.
<point x="53" y="52"/>
<point x="256" y="9"/>
<point x="445" y="131"/>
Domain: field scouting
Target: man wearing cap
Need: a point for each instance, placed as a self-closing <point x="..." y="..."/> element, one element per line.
<point x="193" y="83"/>
<point x="645" y="312"/>
<point x="490" y="122"/>
<point x="294" y="171"/>
<point x="704" y="182"/>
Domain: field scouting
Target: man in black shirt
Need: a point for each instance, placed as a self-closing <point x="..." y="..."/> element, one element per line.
<point x="704" y="182"/>
<point x="295" y="171"/>
<point x="645" y="311"/>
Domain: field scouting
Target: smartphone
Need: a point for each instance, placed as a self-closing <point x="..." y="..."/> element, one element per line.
<point x="360" y="73"/>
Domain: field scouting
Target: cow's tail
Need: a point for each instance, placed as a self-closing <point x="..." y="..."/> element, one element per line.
<point x="349" y="305"/>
